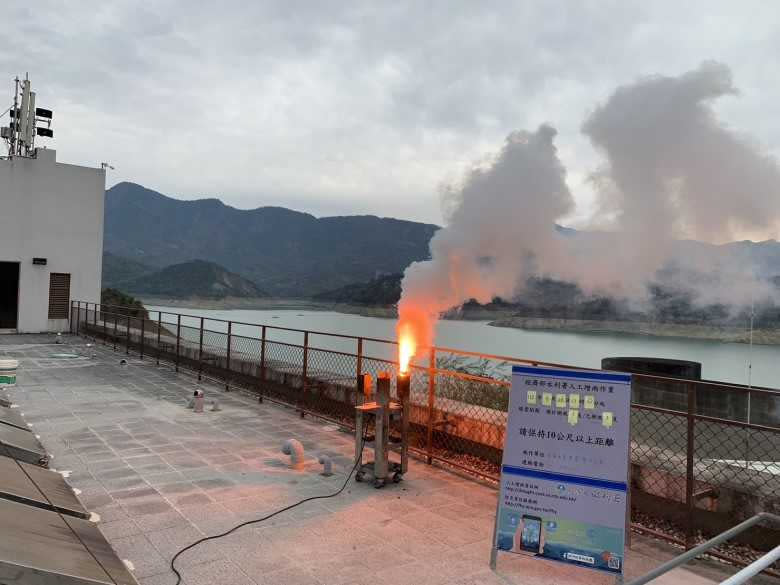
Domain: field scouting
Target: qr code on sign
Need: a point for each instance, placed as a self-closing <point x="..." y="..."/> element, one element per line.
<point x="613" y="563"/>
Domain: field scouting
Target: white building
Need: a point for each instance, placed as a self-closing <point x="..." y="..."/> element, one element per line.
<point x="51" y="240"/>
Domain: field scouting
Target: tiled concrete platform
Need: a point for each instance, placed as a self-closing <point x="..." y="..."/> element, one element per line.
<point x="161" y="476"/>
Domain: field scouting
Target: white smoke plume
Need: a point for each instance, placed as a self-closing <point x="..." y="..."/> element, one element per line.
<point x="676" y="172"/>
<point x="673" y="171"/>
<point x="502" y="215"/>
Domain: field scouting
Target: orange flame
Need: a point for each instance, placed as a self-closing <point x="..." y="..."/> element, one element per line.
<point x="414" y="331"/>
<point x="406" y="349"/>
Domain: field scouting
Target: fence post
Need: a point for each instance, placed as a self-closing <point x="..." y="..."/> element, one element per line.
<point x="304" y="369"/>
<point x="94" y="321"/>
<point x="70" y="318"/>
<point x="105" y="332"/>
<point x="747" y="431"/>
<point x="227" y="357"/>
<point x="115" y="329"/>
<point x="178" y="338"/>
<point x="127" y="339"/>
<point x="359" y="356"/>
<point x="431" y="401"/>
<point x="159" y="330"/>
<point x="78" y="315"/>
<point x="690" y="503"/>
<point x="200" y="352"/>
<point x="262" y="365"/>
<point x="359" y="373"/>
<point x="143" y="333"/>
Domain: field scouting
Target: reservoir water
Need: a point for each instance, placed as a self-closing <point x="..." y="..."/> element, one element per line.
<point x="720" y="361"/>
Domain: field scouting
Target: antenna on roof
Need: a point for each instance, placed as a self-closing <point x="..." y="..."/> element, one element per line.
<point x="24" y="116"/>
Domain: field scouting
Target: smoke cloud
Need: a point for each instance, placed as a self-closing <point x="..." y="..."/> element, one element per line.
<point x="501" y="215"/>
<point x="678" y="170"/>
<point x="672" y="171"/>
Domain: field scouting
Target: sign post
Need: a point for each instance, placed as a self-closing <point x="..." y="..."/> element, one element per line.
<point x="564" y="474"/>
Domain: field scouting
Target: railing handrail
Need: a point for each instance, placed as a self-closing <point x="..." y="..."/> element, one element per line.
<point x="654" y="377"/>
<point x="760" y="564"/>
<point x="704" y="547"/>
<point x="277" y="327"/>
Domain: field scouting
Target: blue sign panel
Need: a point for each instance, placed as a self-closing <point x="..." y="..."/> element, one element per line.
<point x="565" y="468"/>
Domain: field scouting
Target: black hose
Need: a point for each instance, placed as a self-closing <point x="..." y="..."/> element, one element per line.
<point x="358" y="460"/>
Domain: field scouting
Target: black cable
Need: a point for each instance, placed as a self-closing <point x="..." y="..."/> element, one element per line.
<point x="358" y="461"/>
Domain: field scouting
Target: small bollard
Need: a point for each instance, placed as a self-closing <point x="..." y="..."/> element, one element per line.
<point x="327" y="465"/>
<point x="215" y="407"/>
<point x="59" y="338"/>
<point x="123" y="363"/>
<point x="198" y="397"/>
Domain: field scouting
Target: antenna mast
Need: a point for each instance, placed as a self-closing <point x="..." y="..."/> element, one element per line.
<point x="24" y="116"/>
<point x="14" y="118"/>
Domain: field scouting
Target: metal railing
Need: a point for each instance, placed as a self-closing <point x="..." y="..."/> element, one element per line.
<point x="703" y="453"/>
<point x="742" y="576"/>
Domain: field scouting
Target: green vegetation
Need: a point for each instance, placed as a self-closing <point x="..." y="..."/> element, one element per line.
<point x="195" y="279"/>
<point x="381" y="291"/>
<point x="115" y="301"/>
<point x="471" y="391"/>
<point x="118" y="270"/>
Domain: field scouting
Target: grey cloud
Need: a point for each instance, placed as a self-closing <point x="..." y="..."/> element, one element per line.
<point x="351" y="105"/>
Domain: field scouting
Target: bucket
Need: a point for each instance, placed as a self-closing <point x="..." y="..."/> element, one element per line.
<point x="8" y="372"/>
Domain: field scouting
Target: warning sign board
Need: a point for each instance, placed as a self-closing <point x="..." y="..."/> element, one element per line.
<point x="565" y="467"/>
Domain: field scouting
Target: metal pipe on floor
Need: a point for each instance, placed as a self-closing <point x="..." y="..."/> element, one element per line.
<point x="294" y="449"/>
<point x="327" y="465"/>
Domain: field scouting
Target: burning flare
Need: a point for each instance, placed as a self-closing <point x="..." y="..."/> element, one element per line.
<point x="407" y="346"/>
<point x="414" y="332"/>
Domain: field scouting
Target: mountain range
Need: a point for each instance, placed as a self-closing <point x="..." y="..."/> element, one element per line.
<point x="278" y="252"/>
<point x="283" y="252"/>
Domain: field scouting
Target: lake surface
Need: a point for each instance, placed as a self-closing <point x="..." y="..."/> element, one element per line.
<point x="720" y="361"/>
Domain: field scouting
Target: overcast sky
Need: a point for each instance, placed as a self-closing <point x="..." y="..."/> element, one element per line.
<point x="364" y="107"/>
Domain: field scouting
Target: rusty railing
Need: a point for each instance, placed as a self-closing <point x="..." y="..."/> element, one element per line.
<point x="704" y="454"/>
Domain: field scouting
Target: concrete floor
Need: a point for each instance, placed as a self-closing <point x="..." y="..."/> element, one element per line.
<point x="161" y="477"/>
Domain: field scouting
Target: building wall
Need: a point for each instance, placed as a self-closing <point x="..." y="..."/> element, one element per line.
<point x="53" y="211"/>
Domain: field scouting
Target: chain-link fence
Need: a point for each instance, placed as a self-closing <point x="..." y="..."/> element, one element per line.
<point x="704" y="454"/>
